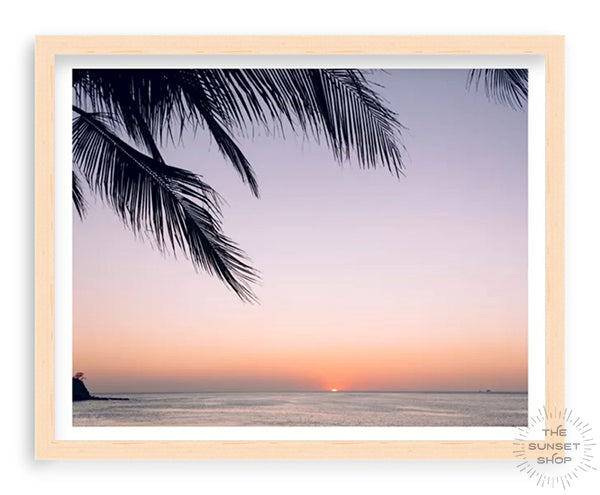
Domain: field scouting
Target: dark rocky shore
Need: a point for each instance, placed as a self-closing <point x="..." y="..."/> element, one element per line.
<point x="80" y="392"/>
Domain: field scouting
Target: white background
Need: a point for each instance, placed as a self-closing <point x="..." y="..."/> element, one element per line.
<point x="21" y="21"/>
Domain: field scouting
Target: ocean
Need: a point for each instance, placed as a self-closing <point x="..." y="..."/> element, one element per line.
<point x="306" y="409"/>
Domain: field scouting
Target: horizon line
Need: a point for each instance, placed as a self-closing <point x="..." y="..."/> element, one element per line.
<point x="329" y="391"/>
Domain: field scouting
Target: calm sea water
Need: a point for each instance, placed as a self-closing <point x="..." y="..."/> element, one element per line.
<point x="306" y="409"/>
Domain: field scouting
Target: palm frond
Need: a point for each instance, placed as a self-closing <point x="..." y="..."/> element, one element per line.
<point x="338" y="105"/>
<point x="149" y="107"/>
<point x="178" y="210"/>
<point x="78" y="197"/>
<point x="159" y="104"/>
<point x="506" y="86"/>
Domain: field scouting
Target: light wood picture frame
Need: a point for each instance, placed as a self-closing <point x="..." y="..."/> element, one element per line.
<point x="49" y="47"/>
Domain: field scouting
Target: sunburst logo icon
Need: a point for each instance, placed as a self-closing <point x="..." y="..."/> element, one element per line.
<point x="557" y="456"/>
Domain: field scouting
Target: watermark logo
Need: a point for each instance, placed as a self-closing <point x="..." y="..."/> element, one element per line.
<point x="557" y="456"/>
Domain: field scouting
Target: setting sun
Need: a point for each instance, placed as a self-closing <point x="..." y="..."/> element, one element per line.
<point x="334" y="389"/>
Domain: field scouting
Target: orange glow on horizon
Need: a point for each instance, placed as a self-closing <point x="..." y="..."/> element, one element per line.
<point x="484" y="363"/>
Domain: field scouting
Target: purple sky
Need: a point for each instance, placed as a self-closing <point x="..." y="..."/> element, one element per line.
<point x="368" y="281"/>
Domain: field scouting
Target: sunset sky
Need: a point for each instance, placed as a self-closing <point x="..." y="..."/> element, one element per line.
<point x="369" y="282"/>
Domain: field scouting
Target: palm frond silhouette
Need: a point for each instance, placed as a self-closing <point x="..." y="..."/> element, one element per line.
<point x="506" y="86"/>
<point x="122" y="117"/>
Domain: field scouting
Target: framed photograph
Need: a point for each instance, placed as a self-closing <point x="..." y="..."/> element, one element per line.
<point x="298" y="247"/>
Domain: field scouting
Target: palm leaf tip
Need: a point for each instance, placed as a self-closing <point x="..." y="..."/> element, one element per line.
<point x="505" y="86"/>
<point x="174" y="206"/>
<point x="359" y="123"/>
<point x="78" y="197"/>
